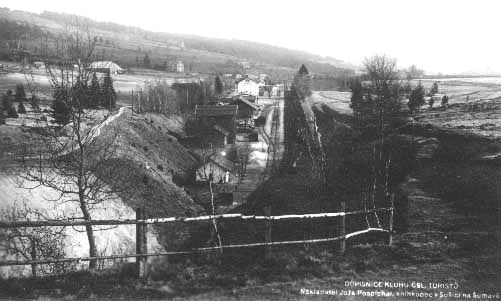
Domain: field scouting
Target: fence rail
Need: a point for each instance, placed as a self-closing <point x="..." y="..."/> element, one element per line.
<point x="141" y="222"/>
<point x="192" y="251"/>
<point x="67" y="223"/>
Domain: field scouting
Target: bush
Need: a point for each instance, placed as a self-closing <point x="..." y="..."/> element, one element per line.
<point x="21" y="109"/>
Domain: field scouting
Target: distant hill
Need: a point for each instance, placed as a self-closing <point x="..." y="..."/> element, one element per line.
<point x="129" y="45"/>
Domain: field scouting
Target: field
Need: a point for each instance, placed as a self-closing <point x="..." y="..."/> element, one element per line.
<point x="474" y="106"/>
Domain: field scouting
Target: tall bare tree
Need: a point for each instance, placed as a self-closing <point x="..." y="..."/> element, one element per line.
<point x="75" y="158"/>
<point x="384" y="93"/>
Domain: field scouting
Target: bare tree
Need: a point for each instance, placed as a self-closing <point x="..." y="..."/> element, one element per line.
<point x="33" y="243"/>
<point x="75" y="158"/>
<point x="384" y="101"/>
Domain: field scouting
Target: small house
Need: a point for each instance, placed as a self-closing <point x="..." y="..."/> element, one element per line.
<point x="39" y="65"/>
<point x="217" y="169"/>
<point x="216" y="124"/>
<point x="106" y="67"/>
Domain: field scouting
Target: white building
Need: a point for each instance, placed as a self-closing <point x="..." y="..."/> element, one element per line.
<point x="180" y="67"/>
<point x="248" y="86"/>
<point x="110" y="66"/>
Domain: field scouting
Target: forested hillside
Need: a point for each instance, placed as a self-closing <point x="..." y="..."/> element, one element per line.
<point x="134" y="47"/>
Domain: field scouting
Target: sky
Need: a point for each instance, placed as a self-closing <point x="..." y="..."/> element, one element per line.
<point x="447" y="36"/>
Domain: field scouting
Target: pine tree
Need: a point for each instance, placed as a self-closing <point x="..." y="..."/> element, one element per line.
<point x="20" y="108"/>
<point x="95" y="92"/>
<point x="80" y="95"/>
<point x="218" y="85"/>
<point x="416" y="99"/>
<point x="445" y="101"/>
<point x="109" y="97"/>
<point x="357" y="97"/>
<point x="302" y="82"/>
<point x="20" y="93"/>
<point x="60" y="106"/>
<point x="146" y="61"/>
<point x="431" y="101"/>
<point x="434" y="89"/>
<point x="8" y="106"/>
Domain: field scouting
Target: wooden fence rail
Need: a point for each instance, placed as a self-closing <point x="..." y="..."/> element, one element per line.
<point x="141" y="223"/>
<point x="192" y="251"/>
<point x="67" y="223"/>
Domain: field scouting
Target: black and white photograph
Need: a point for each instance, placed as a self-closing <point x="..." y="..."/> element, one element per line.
<point x="250" y="150"/>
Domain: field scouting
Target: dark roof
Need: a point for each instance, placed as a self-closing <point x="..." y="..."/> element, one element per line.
<point x="222" y="162"/>
<point x="207" y="110"/>
<point x="247" y="102"/>
<point x="221" y="130"/>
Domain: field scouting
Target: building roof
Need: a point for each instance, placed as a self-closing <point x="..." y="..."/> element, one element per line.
<point x="222" y="162"/>
<point x="247" y="102"/>
<point x="221" y="130"/>
<point x="105" y="65"/>
<point x="246" y="78"/>
<point x="212" y="111"/>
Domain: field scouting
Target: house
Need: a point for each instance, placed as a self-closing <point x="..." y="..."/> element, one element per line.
<point x="248" y="86"/>
<point x="180" y="67"/>
<point x="246" y="108"/>
<point x="264" y="77"/>
<point x="245" y="64"/>
<point x="106" y="67"/>
<point x="217" y="169"/>
<point x="216" y="124"/>
<point x="39" y="65"/>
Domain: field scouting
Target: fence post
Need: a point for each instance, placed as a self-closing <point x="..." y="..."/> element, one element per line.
<point x="392" y="200"/>
<point x="267" y="233"/>
<point x="342" y="245"/>
<point x="33" y="254"/>
<point x="141" y="244"/>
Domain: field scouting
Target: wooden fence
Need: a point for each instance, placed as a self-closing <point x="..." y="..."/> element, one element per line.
<point x="141" y="223"/>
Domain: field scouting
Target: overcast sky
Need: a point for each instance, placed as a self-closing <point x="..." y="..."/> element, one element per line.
<point x="436" y="35"/>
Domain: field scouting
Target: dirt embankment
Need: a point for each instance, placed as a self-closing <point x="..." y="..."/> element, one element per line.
<point x="151" y="164"/>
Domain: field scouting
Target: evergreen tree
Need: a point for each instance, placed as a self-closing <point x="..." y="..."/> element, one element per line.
<point x="302" y="82"/>
<point x="146" y="61"/>
<point x="416" y="99"/>
<point x="8" y="106"/>
<point x="434" y="89"/>
<point x="95" y="92"/>
<point x="218" y="85"/>
<point x="445" y="101"/>
<point x="357" y="97"/>
<point x="79" y="95"/>
<point x="60" y="106"/>
<point x="431" y="101"/>
<point x="20" y="93"/>
<point x="109" y="97"/>
<point x="20" y="108"/>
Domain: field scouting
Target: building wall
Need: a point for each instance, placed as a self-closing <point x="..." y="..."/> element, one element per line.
<point x="180" y="67"/>
<point x="218" y="173"/>
<point x="247" y="86"/>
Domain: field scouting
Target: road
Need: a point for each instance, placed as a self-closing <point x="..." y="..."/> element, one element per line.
<point x="265" y="154"/>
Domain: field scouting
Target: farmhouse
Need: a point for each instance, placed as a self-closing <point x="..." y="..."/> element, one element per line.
<point x="247" y="86"/>
<point x="216" y="124"/>
<point x="106" y="67"/>
<point x="217" y="169"/>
